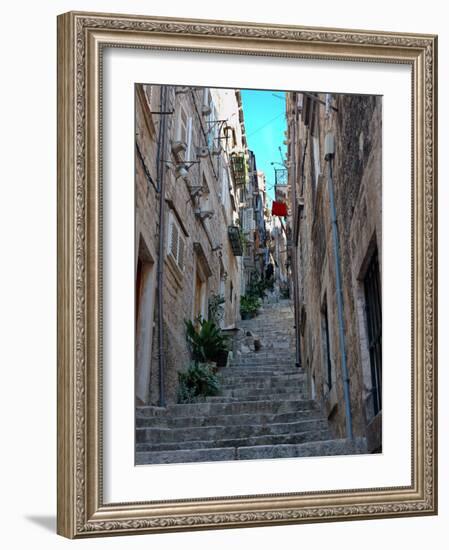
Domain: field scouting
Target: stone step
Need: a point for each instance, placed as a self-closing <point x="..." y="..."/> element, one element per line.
<point x="269" y="329"/>
<point x="269" y="406"/>
<point x="267" y="338"/>
<point x="268" y="316"/>
<point x="252" y="441"/>
<point x="179" y="457"/>
<point x="317" y="448"/>
<point x="243" y="419"/>
<point x="269" y="369"/>
<point x="272" y="353"/>
<point x="269" y="342"/>
<point x="271" y="388"/>
<point x="264" y="368"/>
<point x="262" y="380"/>
<point x="269" y="326"/>
<point x="259" y="397"/>
<point x="273" y="339"/>
<point x="331" y="447"/>
<point x="266" y="334"/>
<point x="261" y="372"/>
<point x="264" y="354"/>
<point x="269" y="366"/>
<point x="263" y="357"/>
<point x="276" y="307"/>
<point x="267" y="392"/>
<point x="201" y="433"/>
<point x="236" y="383"/>
<point x="273" y="310"/>
<point x="268" y="347"/>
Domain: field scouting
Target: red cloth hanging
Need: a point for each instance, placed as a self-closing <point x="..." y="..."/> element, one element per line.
<point x="279" y="209"/>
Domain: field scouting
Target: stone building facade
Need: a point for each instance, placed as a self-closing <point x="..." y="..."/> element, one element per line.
<point x="252" y="202"/>
<point x="187" y="217"/>
<point x="335" y="249"/>
<point x="277" y="248"/>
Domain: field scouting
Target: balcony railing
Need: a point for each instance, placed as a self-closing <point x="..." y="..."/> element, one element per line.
<point x="239" y="168"/>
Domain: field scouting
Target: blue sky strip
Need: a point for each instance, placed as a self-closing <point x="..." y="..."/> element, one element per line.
<point x="265" y="123"/>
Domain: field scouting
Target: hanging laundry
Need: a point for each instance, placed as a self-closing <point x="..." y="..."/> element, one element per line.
<point x="279" y="209"/>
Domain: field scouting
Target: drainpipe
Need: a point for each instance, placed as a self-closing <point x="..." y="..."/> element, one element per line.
<point x="161" y="149"/>
<point x="294" y="257"/>
<point x="329" y="155"/>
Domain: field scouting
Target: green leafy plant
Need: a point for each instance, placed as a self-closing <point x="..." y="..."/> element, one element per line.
<point x="249" y="306"/>
<point x="205" y="340"/>
<point x="196" y="382"/>
<point x="258" y="287"/>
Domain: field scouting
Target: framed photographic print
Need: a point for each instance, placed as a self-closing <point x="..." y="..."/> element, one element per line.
<point x="246" y="274"/>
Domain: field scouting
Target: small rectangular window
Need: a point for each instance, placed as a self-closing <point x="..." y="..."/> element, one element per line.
<point x="189" y="139"/>
<point x="176" y="242"/>
<point x="182" y="125"/>
<point x="316" y="158"/>
<point x="326" y="344"/>
<point x="224" y="186"/>
<point x="174" y="239"/>
<point x="212" y="126"/>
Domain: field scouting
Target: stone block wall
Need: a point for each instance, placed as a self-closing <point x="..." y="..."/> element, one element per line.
<point x="207" y="247"/>
<point x="356" y="123"/>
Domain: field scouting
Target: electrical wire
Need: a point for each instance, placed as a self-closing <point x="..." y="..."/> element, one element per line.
<point x="266" y="124"/>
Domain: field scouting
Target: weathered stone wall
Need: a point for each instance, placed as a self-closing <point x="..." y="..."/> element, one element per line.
<point x="356" y="125"/>
<point x="207" y="247"/>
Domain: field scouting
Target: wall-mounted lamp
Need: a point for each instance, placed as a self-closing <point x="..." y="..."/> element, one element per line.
<point x="182" y="168"/>
<point x="204" y="214"/>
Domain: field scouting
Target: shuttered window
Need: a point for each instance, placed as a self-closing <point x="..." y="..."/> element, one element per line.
<point x="181" y="252"/>
<point x="183" y="123"/>
<point x="176" y="242"/>
<point x="248" y="220"/>
<point x="189" y="139"/>
<point x="224" y="186"/>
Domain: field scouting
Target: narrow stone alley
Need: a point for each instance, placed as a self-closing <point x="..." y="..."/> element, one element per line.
<point x="262" y="410"/>
<point x="258" y="274"/>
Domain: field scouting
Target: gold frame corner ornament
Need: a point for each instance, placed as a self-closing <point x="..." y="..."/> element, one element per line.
<point x="81" y="36"/>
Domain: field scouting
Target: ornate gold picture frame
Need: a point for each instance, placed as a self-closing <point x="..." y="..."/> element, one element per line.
<point x="82" y="40"/>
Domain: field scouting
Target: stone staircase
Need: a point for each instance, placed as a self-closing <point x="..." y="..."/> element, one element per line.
<point x="263" y="410"/>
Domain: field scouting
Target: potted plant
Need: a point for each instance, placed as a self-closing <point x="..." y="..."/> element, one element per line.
<point x="249" y="305"/>
<point x="206" y="342"/>
<point x="196" y="382"/>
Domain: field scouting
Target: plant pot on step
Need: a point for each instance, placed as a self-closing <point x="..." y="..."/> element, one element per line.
<point x="222" y="359"/>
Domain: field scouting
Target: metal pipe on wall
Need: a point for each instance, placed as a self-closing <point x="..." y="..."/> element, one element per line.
<point x="294" y="256"/>
<point x="161" y="149"/>
<point x="339" y="292"/>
